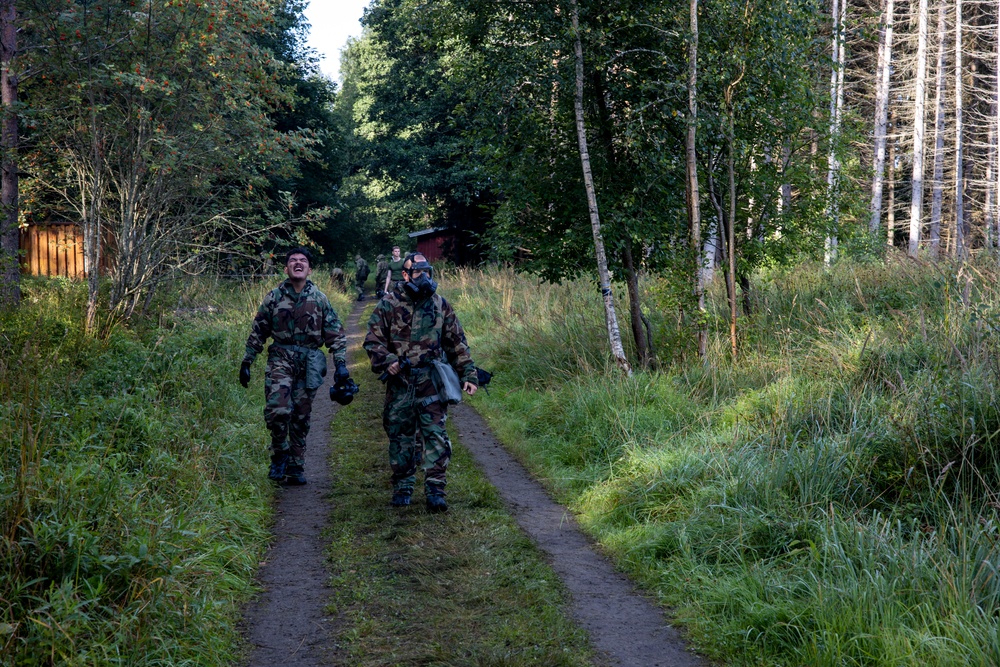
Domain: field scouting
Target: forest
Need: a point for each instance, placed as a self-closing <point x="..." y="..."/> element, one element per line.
<point x="734" y="262"/>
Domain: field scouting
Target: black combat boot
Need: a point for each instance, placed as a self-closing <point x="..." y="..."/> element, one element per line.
<point x="294" y="475"/>
<point x="436" y="503"/>
<point x="435" y="498"/>
<point x="279" y="461"/>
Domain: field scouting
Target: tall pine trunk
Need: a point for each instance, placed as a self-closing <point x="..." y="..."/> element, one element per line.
<point x="691" y="165"/>
<point x="890" y="214"/>
<point x="937" y="181"/>
<point x="881" y="116"/>
<point x="611" y="317"/>
<point x="10" y="270"/>
<point x="920" y="98"/>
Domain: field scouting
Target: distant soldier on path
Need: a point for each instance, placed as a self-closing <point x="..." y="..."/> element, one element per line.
<point x="361" y="271"/>
<point x="300" y="319"/>
<point x="410" y="329"/>
<point x="339" y="281"/>
<point x="395" y="271"/>
<point x="381" y="274"/>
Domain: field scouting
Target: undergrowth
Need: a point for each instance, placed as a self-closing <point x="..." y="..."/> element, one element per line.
<point x="827" y="498"/>
<point x="134" y="505"/>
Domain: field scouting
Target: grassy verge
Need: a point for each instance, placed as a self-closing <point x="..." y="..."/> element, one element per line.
<point x="133" y="500"/>
<point x="826" y="499"/>
<point x="410" y="588"/>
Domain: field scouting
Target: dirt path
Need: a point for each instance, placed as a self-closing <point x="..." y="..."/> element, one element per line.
<point x="622" y="624"/>
<point x="288" y="624"/>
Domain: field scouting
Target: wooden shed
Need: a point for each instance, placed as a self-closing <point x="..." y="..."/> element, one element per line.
<point x="54" y="248"/>
<point x="434" y="242"/>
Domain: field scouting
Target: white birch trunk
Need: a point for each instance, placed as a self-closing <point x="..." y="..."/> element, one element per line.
<point x="709" y="254"/>
<point x="920" y="95"/>
<point x="694" y="201"/>
<point x="959" y="245"/>
<point x="937" y="182"/>
<point x="836" y="107"/>
<point x="881" y="116"/>
<point x="610" y="315"/>
<point x="996" y="135"/>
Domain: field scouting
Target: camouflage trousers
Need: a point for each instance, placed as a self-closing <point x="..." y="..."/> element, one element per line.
<point x="417" y="435"/>
<point x="288" y="405"/>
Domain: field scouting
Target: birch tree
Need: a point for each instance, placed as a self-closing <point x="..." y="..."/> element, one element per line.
<point x="839" y="15"/>
<point x="881" y="115"/>
<point x="691" y="168"/>
<point x="920" y="94"/>
<point x="604" y="276"/>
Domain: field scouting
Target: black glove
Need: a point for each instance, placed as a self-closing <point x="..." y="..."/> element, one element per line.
<point x="245" y="373"/>
<point x="341" y="374"/>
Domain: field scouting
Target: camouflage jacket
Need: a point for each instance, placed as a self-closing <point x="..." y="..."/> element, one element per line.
<point x="306" y="319"/>
<point x="420" y="332"/>
<point x="381" y="271"/>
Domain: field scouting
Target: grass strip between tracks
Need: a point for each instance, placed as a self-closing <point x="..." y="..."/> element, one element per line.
<point x="409" y="588"/>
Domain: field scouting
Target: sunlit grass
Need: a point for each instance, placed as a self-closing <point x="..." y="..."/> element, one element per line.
<point x="133" y="502"/>
<point x="827" y="498"/>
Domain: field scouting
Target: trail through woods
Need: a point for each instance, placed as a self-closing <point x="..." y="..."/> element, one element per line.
<point x="288" y="625"/>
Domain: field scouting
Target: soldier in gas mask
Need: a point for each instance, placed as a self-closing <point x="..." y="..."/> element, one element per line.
<point x="412" y="328"/>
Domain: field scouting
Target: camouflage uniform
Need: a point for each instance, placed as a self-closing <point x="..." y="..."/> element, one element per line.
<point x="298" y="323"/>
<point x="381" y="271"/>
<point x="360" y="275"/>
<point x="419" y="332"/>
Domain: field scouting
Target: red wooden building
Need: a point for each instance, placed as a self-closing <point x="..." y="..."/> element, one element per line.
<point x="434" y="243"/>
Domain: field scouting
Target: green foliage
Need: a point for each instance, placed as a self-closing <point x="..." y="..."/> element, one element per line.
<point x="179" y="129"/>
<point x="133" y="504"/>
<point x="409" y="155"/>
<point x="827" y="498"/>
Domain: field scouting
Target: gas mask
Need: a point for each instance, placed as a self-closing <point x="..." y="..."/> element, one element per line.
<point x="420" y="288"/>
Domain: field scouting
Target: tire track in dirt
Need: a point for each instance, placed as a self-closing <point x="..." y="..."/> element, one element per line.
<point x="288" y="624"/>
<point x="629" y="629"/>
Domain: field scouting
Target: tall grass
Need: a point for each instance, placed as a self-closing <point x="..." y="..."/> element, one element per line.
<point x="829" y="497"/>
<point x="133" y="501"/>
